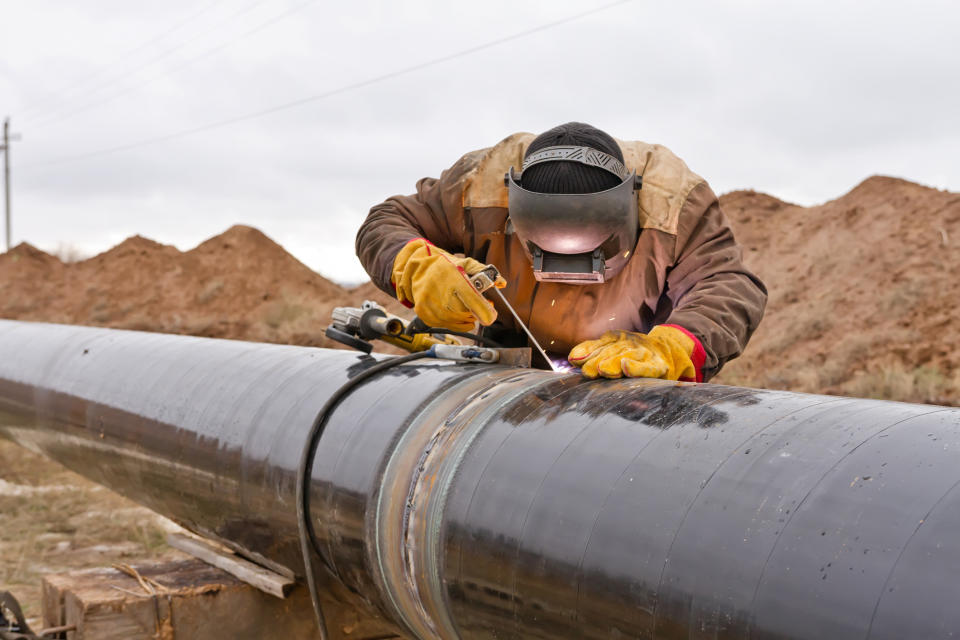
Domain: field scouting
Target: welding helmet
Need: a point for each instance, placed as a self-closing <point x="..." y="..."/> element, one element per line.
<point x="575" y="238"/>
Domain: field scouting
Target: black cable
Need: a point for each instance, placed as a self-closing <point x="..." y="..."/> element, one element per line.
<point x="304" y="525"/>
<point x="16" y="629"/>
<point x="419" y="326"/>
<point x="487" y="342"/>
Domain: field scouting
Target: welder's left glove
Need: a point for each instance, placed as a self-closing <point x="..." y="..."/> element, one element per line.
<point x="666" y="352"/>
<point x="436" y="284"/>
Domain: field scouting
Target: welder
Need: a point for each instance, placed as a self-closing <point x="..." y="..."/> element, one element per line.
<point x="614" y="254"/>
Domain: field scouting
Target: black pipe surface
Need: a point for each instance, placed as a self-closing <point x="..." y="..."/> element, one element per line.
<point x="479" y="501"/>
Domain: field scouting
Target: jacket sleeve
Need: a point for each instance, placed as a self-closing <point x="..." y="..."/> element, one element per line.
<point x="715" y="297"/>
<point x="434" y="212"/>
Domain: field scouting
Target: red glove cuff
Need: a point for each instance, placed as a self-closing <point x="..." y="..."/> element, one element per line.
<point x="699" y="355"/>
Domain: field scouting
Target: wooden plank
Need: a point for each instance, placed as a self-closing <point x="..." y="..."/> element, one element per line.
<point x="253" y="574"/>
<point x="51" y="603"/>
<point x="118" y="618"/>
<point x="192" y="600"/>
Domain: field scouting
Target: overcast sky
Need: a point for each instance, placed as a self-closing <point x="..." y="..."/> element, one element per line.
<point x="801" y="100"/>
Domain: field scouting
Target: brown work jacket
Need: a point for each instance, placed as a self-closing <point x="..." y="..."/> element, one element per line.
<point x="686" y="269"/>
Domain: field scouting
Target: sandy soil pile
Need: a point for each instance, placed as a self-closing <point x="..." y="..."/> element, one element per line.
<point x="864" y="295"/>
<point x="240" y="284"/>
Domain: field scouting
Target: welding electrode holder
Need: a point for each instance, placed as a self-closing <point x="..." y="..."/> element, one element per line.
<point x="485" y="279"/>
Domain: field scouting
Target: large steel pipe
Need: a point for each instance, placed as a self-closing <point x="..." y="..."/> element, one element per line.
<point x="478" y="501"/>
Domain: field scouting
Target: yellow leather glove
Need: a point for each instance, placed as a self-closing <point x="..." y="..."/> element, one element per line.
<point x="435" y="283"/>
<point x="666" y="352"/>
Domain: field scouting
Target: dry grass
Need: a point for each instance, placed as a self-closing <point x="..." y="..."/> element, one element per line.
<point x="891" y="380"/>
<point x="211" y="290"/>
<point x="283" y="312"/>
<point x="894" y="381"/>
<point x="52" y="520"/>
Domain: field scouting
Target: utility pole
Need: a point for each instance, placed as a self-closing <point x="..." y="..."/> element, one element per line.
<point x="7" y="138"/>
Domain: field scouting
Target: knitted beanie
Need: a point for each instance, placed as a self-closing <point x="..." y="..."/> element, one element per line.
<point x="571" y="177"/>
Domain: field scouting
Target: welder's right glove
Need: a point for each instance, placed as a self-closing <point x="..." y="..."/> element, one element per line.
<point x="435" y="284"/>
<point x="667" y="352"/>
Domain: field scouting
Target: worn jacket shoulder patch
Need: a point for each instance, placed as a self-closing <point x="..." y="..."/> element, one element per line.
<point x="667" y="183"/>
<point x="483" y="185"/>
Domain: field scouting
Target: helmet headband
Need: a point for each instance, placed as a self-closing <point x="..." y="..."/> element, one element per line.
<point x="584" y="155"/>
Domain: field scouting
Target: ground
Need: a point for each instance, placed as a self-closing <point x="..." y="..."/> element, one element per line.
<point x="53" y="520"/>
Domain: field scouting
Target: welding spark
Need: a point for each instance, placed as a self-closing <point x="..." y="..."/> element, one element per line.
<point x="560" y="366"/>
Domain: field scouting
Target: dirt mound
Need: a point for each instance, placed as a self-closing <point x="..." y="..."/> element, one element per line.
<point x="26" y="264"/>
<point x="864" y="299"/>
<point x="752" y="202"/>
<point x="239" y="284"/>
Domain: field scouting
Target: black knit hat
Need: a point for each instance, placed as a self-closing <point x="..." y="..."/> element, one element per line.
<point x="571" y="177"/>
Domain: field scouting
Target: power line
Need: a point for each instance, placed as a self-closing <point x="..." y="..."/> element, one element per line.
<point x="186" y="63"/>
<point x="326" y="94"/>
<point x="175" y="27"/>
<point x="99" y="72"/>
<point x="160" y="56"/>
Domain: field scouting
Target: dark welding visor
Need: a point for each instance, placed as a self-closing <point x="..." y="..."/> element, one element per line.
<point x="580" y="238"/>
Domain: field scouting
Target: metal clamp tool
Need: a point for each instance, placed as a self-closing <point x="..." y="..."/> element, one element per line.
<point x="485" y="280"/>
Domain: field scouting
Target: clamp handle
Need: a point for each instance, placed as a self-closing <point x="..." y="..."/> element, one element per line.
<point x="483" y="280"/>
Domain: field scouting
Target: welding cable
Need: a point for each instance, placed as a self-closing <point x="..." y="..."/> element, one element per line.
<point x="419" y="326"/>
<point x="308" y="542"/>
<point x="487" y="342"/>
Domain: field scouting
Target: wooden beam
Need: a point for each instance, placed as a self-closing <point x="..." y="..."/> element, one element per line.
<point x="253" y="574"/>
<point x="190" y="600"/>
